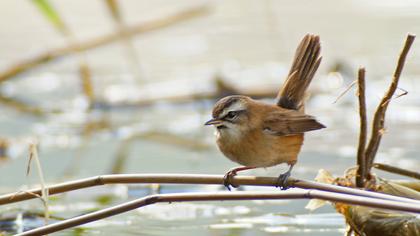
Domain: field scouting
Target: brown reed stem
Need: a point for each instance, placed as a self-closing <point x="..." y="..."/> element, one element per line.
<point x="222" y="196"/>
<point x="21" y="106"/>
<point x="378" y="123"/>
<point x="190" y="179"/>
<point x="361" y="174"/>
<point x="103" y="40"/>
<point x="396" y="170"/>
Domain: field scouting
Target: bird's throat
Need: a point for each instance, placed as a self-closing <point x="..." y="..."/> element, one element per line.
<point x="229" y="135"/>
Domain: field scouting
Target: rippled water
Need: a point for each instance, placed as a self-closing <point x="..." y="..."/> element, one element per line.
<point x="249" y="44"/>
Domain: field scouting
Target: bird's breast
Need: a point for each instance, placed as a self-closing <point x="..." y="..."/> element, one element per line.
<point x="258" y="149"/>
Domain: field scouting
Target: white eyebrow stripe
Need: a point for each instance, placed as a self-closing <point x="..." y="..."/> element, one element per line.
<point x="237" y="106"/>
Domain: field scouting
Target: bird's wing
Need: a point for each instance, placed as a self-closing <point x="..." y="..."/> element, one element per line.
<point x="289" y="122"/>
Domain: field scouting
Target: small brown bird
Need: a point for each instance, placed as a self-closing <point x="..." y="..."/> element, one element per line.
<point x="256" y="134"/>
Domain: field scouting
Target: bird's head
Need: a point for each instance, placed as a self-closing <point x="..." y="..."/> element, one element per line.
<point x="231" y="114"/>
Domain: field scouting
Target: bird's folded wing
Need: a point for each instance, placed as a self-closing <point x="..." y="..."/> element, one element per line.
<point x="289" y="123"/>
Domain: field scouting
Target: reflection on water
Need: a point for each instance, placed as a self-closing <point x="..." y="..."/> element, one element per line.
<point x="247" y="43"/>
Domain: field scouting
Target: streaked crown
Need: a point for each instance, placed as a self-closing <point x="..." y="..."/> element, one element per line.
<point x="229" y="103"/>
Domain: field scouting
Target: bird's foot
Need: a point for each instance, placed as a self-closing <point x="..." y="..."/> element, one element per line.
<point x="282" y="181"/>
<point x="227" y="179"/>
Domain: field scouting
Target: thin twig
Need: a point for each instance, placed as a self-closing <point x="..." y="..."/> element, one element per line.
<point x="396" y="170"/>
<point x="96" y="42"/>
<point x="361" y="175"/>
<point x="33" y="154"/>
<point x="21" y="106"/>
<point x="379" y="117"/>
<point x="191" y="179"/>
<point x="33" y="194"/>
<point x="345" y="91"/>
<point x="222" y="196"/>
<point x="404" y="92"/>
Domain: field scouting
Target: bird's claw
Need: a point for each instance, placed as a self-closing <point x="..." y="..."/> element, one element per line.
<point x="282" y="181"/>
<point x="227" y="180"/>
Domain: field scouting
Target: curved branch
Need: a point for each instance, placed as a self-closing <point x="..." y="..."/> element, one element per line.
<point x="218" y="196"/>
<point x="189" y="179"/>
<point x="378" y="123"/>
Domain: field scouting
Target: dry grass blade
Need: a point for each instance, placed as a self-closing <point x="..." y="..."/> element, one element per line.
<point x="404" y="92"/>
<point x="361" y="175"/>
<point x="345" y="91"/>
<point x="414" y="185"/>
<point x="221" y="196"/>
<point x="33" y="154"/>
<point x="379" y="117"/>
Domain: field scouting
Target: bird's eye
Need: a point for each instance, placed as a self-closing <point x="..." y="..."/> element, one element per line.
<point x="231" y="114"/>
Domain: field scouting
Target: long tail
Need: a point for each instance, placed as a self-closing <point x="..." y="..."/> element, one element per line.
<point x="306" y="62"/>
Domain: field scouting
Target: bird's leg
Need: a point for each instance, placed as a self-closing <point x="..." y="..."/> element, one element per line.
<point x="227" y="179"/>
<point x="282" y="180"/>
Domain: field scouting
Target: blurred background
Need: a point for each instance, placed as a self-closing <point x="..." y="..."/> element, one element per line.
<point x="125" y="86"/>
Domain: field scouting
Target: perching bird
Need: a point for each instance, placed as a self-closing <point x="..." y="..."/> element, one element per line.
<point x="256" y="134"/>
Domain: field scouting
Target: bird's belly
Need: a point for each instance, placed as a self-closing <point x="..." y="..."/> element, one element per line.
<point x="263" y="152"/>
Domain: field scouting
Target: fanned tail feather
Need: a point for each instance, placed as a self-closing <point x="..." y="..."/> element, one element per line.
<point x="305" y="63"/>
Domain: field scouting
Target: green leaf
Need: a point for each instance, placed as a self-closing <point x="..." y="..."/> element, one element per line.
<point x="51" y="14"/>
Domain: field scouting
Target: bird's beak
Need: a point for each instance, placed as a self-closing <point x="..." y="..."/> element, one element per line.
<point x="214" y="121"/>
